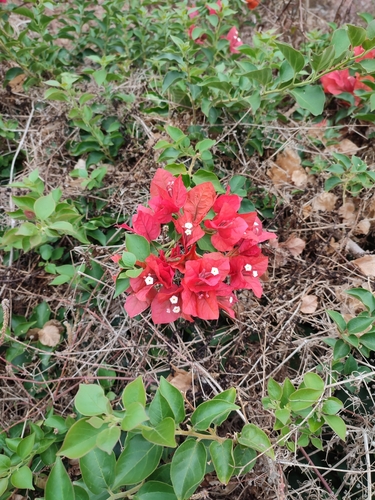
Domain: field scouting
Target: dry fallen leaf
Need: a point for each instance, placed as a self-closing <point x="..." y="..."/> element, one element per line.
<point x="347" y="212"/>
<point x="325" y="202"/>
<point x="309" y="304"/>
<point x="50" y="334"/>
<point x="366" y="265"/>
<point x="363" y="227"/>
<point x="16" y="84"/>
<point x="345" y="146"/>
<point x="180" y="379"/>
<point x="288" y="169"/>
<point x="295" y="245"/>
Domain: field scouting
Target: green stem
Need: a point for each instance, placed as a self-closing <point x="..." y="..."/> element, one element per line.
<point x="125" y="494"/>
<point x="199" y="436"/>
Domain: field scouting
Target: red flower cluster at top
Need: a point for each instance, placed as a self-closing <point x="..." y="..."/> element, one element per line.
<point x="180" y="283"/>
<point x="3" y="1"/>
<point x="252" y="4"/>
<point x="232" y="36"/>
<point x="340" y="81"/>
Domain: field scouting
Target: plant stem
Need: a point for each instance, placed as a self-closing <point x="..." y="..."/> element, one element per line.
<point x="321" y="478"/>
<point x="125" y="494"/>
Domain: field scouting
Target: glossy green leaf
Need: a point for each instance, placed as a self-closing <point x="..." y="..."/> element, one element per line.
<point x="90" y="400"/>
<point x="244" y="458"/>
<point x="162" y="434"/>
<point x="204" y="145"/>
<point x="255" y="438"/>
<point x="59" y="486"/>
<point x="159" y="409"/>
<point x="134" y="416"/>
<point x="310" y="97"/>
<point x="138" y="245"/>
<point x="80" y="439"/>
<point x="138" y="460"/>
<point x="313" y="381"/>
<point x="263" y="76"/>
<point x="134" y="393"/>
<point x="338" y="319"/>
<point x="22" y="478"/>
<point x="274" y="389"/>
<point x="283" y="415"/>
<point x="359" y="324"/>
<point x="108" y="439"/>
<point x="174" y="398"/>
<point x="332" y="405"/>
<point x="26" y="445"/>
<point x="303" y="398"/>
<point x="293" y="56"/>
<point x="202" y="176"/>
<point x="3" y="485"/>
<point x="155" y="490"/>
<point x="340" y="41"/>
<point x="368" y="340"/>
<point x="222" y="458"/>
<point x="188" y="468"/>
<point x="172" y="77"/>
<point x="340" y="350"/>
<point x="44" y="207"/>
<point x="356" y="35"/>
<point x="208" y="411"/>
<point x="98" y="470"/>
<point x="80" y="493"/>
<point x="337" y="425"/>
<point x="367" y="298"/>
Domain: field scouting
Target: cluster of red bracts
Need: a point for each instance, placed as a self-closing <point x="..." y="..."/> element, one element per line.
<point x="181" y="283"/>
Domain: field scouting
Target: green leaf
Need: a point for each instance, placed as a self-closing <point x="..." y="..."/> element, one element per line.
<point x="359" y="324"/>
<point x="134" y="393"/>
<point x="121" y="286"/>
<point x="205" y="145"/>
<point x="293" y="56"/>
<point x="128" y="259"/>
<point x="202" y="176"/>
<point x="24" y="11"/>
<point x="222" y="458"/>
<point x="26" y="446"/>
<point x="208" y="411"/>
<point x="332" y="182"/>
<point x="244" y="458"/>
<point x="313" y="381"/>
<point x="338" y="319"/>
<point x="138" y="460"/>
<point x="162" y="434"/>
<point x="3" y="485"/>
<point x="80" y="439"/>
<point x="98" y="470"/>
<point x="155" y="490"/>
<point x="80" y="493"/>
<point x="138" y="245"/>
<point x="340" y="41"/>
<point x="303" y="398"/>
<point x="356" y="35"/>
<point x="331" y="406"/>
<point x="175" y="133"/>
<point x="108" y="438"/>
<point x="44" y="207"/>
<point x="337" y="425"/>
<point x="274" y="389"/>
<point x="172" y="77"/>
<point x="174" y="398"/>
<point x="263" y="76"/>
<point x="283" y="415"/>
<point x="317" y="443"/>
<point x="159" y="409"/>
<point x="188" y="468"/>
<point x="58" y="486"/>
<point x="134" y="416"/>
<point x="310" y="97"/>
<point x="368" y="340"/>
<point x="90" y="400"/>
<point x="367" y="298"/>
<point x="255" y="438"/>
<point x="23" y="479"/>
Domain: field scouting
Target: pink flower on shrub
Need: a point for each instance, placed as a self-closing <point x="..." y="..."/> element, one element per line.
<point x="193" y="13"/>
<point x="359" y="50"/>
<point x="234" y="40"/>
<point x="3" y="1"/>
<point x="213" y="11"/>
<point x="200" y="40"/>
<point x="340" y="81"/>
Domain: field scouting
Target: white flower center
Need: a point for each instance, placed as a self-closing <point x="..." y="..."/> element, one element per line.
<point x="230" y="300"/>
<point x="256" y="223"/>
<point x="188" y="232"/>
<point x="173" y="299"/>
<point x="149" y="280"/>
<point x="176" y="309"/>
<point x="248" y="267"/>
<point x="215" y="271"/>
<point x="188" y="225"/>
<point x="255" y="274"/>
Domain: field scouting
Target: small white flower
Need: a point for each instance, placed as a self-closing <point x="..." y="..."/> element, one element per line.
<point x="256" y="223"/>
<point x="149" y="280"/>
<point x="188" y="232"/>
<point x="188" y="225"/>
<point x="173" y="299"/>
<point x="215" y="271"/>
<point x="176" y="309"/>
<point x="248" y="267"/>
<point x="255" y="274"/>
<point x="230" y="300"/>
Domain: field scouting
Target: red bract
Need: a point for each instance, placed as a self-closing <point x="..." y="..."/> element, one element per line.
<point x="200" y="40"/>
<point x="359" y="50"/>
<point x="252" y="4"/>
<point x="234" y="40"/>
<point x="193" y="13"/>
<point x="341" y="81"/>
<point x="213" y="11"/>
<point x="179" y="282"/>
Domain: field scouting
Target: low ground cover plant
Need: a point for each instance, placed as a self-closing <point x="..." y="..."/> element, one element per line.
<point x="173" y="321"/>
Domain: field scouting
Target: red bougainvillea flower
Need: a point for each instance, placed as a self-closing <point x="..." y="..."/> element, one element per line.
<point x="206" y="273"/>
<point x="229" y="226"/>
<point x="359" y="50"/>
<point x="245" y="272"/>
<point x="178" y="258"/>
<point x="3" y="1"/>
<point x="167" y="306"/>
<point x="252" y="4"/>
<point x="193" y="13"/>
<point x="169" y="188"/>
<point x="233" y="199"/>
<point x="341" y="81"/>
<point x="134" y="306"/>
<point x="204" y="305"/>
<point x="234" y="40"/>
<point x="213" y="11"/>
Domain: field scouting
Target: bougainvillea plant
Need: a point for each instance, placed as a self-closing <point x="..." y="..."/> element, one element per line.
<point x="211" y="251"/>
